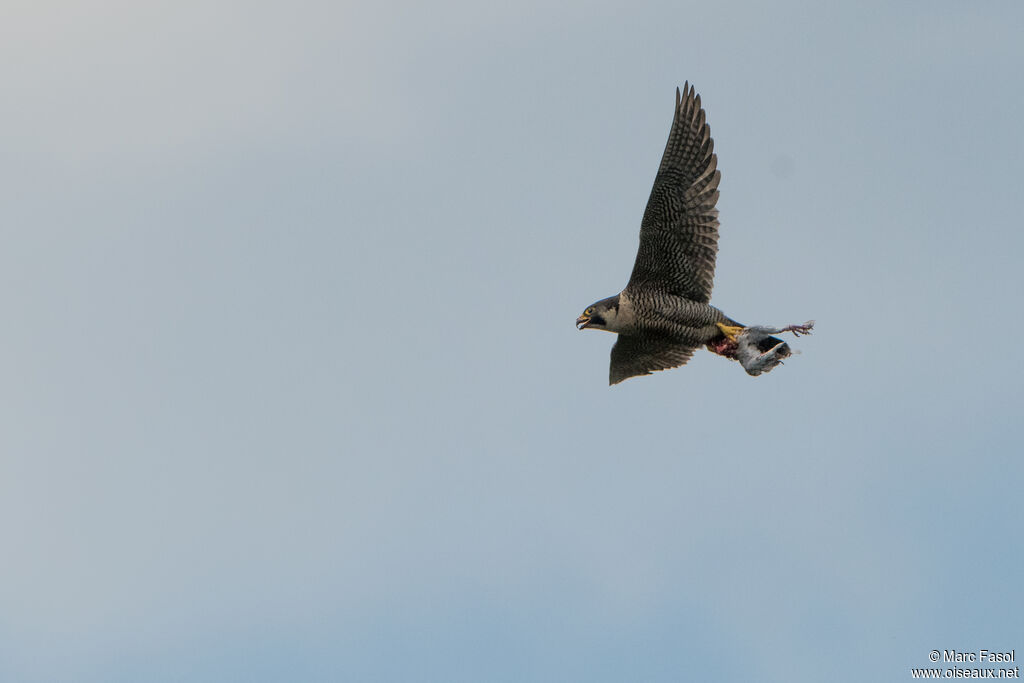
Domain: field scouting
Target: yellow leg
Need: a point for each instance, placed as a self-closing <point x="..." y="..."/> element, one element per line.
<point x="730" y="331"/>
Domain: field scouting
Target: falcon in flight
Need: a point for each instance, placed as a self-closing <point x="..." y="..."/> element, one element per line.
<point x="664" y="315"/>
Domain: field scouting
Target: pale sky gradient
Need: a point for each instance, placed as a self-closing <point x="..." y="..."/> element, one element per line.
<point x="290" y="388"/>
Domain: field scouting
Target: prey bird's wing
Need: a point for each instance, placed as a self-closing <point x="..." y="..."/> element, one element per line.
<point x="679" y="232"/>
<point x="642" y="354"/>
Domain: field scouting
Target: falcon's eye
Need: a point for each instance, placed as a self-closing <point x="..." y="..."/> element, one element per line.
<point x="589" y="311"/>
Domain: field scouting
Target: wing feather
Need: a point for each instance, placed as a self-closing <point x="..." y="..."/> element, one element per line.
<point x="679" y="231"/>
<point x="642" y="354"/>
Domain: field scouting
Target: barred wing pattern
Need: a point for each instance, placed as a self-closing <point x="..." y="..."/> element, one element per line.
<point x="642" y="354"/>
<point x="679" y="232"/>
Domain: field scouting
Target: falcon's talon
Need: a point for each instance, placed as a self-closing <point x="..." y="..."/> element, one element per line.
<point x="731" y="332"/>
<point x="664" y="313"/>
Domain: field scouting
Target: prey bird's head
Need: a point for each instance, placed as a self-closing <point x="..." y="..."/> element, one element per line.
<point x="600" y="315"/>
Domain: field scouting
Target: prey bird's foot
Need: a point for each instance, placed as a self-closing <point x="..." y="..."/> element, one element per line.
<point x="799" y="329"/>
<point x="731" y="332"/>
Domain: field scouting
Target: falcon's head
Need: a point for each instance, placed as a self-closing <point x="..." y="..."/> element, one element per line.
<point x="600" y="315"/>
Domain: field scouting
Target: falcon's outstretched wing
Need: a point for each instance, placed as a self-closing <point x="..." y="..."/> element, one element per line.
<point x="679" y="232"/>
<point x="642" y="354"/>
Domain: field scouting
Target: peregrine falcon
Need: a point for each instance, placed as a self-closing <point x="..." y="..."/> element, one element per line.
<point x="664" y="315"/>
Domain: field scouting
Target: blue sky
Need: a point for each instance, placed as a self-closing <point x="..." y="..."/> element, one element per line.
<point x="291" y="388"/>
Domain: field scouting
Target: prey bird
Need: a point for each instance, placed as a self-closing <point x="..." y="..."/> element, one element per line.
<point x="664" y="313"/>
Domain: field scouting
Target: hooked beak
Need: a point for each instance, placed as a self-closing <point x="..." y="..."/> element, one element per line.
<point x="582" y="322"/>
